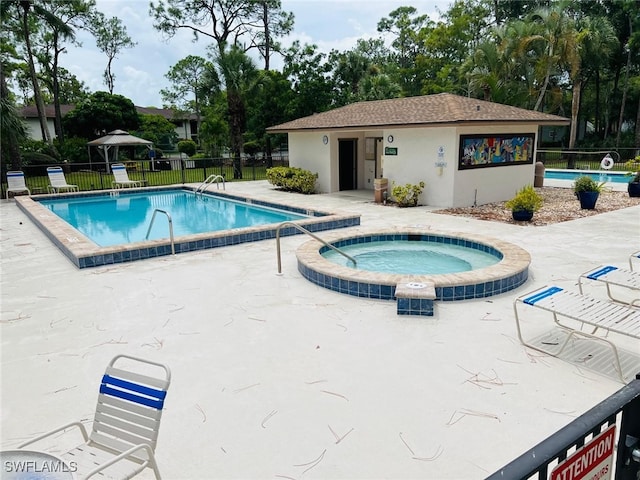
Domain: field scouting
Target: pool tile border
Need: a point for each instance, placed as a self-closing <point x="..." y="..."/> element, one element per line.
<point x="509" y="273"/>
<point x="84" y="253"/>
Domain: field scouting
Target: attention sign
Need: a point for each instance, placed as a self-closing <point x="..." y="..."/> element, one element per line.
<point x="594" y="461"/>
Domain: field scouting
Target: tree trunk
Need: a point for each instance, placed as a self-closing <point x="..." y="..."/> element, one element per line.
<point x="575" y="108"/>
<point x="267" y="38"/>
<point x="15" y="159"/>
<point x="236" y="119"/>
<point x="42" y="116"/>
<point x="638" y="129"/>
<point x="625" y="89"/>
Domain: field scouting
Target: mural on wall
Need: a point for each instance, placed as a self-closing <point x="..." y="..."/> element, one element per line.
<point x="478" y="151"/>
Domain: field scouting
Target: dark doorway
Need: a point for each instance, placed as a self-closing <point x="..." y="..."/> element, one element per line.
<point x="347" y="150"/>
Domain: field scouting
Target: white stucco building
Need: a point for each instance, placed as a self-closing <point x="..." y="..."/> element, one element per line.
<point x="408" y="140"/>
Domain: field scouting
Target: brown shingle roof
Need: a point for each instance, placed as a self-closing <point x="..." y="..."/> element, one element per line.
<point x="441" y="108"/>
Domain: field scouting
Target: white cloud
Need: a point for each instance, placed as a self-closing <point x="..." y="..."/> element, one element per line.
<point x="139" y="71"/>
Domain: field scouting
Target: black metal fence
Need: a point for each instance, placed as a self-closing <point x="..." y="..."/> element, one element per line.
<point x="166" y="171"/>
<point x="585" y="159"/>
<point x="621" y="409"/>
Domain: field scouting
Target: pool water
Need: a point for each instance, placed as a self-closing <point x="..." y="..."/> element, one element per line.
<point x="597" y="176"/>
<point x="412" y="257"/>
<point x="123" y="218"/>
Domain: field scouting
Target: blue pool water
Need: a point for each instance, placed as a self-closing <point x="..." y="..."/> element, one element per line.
<point x="412" y="257"/>
<point x="597" y="176"/>
<point x="115" y="220"/>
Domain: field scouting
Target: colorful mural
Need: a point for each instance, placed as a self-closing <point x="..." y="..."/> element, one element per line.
<point x="478" y="151"/>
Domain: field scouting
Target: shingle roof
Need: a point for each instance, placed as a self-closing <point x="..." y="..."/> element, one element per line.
<point x="441" y="108"/>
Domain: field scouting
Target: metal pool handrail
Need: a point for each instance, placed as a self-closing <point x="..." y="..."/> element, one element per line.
<point x="210" y="179"/>
<point x="173" y="247"/>
<point x="315" y="237"/>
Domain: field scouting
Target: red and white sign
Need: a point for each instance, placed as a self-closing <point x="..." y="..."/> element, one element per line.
<point x="594" y="461"/>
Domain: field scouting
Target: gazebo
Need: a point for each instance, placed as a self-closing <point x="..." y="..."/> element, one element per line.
<point x="113" y="141"/>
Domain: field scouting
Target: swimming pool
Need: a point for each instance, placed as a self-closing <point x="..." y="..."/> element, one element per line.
<point x="121" y="218"/>
<point x="599" y="176"/>
<point x="84" y="252"/>
<point x="511" y="271"/>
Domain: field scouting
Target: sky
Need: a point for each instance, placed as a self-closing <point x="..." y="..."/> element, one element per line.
<point x="140" y="71"/>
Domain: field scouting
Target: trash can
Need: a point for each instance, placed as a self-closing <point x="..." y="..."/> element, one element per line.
<point x="380" y="186"/>
<point x="538" y="180"/>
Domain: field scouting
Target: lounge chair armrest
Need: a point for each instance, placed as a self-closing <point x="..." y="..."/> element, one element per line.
<point x="143" y="446"/>
<point x="56" y="430"/>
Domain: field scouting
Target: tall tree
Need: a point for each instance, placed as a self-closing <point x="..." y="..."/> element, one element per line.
<point x="406" y="27"/>
<point x="558" y="34"/>
<point x="308" y="71"/>
<point x="274" y="23"/>
<point x="51" y="44"/>
<point x="187" y="86"/>
<point x="31" y="16"/>
<point x="12" y="129"/>
<point x="239" y="75"/>
<point x="227" y="23"/>
<point x="111" y="38"/>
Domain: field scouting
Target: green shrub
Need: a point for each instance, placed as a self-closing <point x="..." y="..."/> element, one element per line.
<point x="39" y="161"/>
<point x="73" y="150"/>
<point x="526" y="199"/>
<point x="187" y="147"/>
<point x="292" y="179"/>
<point x="407" y="195"/>
<point x="587" y="184"/>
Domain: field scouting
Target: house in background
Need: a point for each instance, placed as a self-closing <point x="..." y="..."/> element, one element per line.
<point x="467" y="151"/>
<point x="186" y="127"/>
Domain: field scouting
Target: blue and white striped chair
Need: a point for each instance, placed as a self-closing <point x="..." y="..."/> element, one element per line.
<point x="126" y="423"/>
<point x="16" y="183"/>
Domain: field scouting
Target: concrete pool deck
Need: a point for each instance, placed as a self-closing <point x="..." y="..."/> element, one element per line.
<point x="275" y="377"/>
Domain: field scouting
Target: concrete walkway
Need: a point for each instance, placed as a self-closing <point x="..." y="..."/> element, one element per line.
<point x="274" y="377"/>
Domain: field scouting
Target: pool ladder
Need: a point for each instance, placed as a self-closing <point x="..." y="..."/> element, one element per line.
<point x="173" y="246"/>
<point x="210" y="179"/>
<point x="315" y="237"/>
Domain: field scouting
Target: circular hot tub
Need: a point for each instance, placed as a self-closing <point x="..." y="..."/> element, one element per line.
<point x="467" y="265"/>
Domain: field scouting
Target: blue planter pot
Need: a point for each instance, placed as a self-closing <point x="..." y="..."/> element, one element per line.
<point x="522" y="215"/>
<point x="634" y="189"/>
<point x="588" y="200"/>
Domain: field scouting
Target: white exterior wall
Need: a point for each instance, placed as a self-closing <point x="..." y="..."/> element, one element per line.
<point x="307" y="151"/>
<point x="33" y="128"/>
<point x="419" y="160"/>
<point x="428" y="154"/>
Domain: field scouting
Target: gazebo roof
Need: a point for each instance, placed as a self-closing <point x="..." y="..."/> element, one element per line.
<point x="119" y="138"/>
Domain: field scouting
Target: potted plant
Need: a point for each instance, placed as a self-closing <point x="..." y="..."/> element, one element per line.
<point x="407" y="195"/>
<point x="524" y="204"/>
<point x="587" y="190"/>
<point x="634" y="184"/>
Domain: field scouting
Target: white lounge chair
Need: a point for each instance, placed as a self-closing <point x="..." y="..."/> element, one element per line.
<point x="16" y="183"/>
<point x="125" y="427"/>
<point x="58" y="182"/>
<point x="614" y="277"/>
<point x="122" y="178"/>
<point x="586" y="310"/>
<point x="633" y="258"/>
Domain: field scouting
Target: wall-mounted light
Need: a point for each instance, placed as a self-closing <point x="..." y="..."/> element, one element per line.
<point x="390" y="139"/>
<point x="325" y="139"/>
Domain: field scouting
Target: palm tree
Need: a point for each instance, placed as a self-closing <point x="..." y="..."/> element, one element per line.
<point x="240" y="75"/>
<point x="596" y="41"/>
<point x="558" y="34"/>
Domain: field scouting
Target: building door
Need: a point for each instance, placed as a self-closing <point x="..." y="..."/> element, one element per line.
<point x="347" y="156"/>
